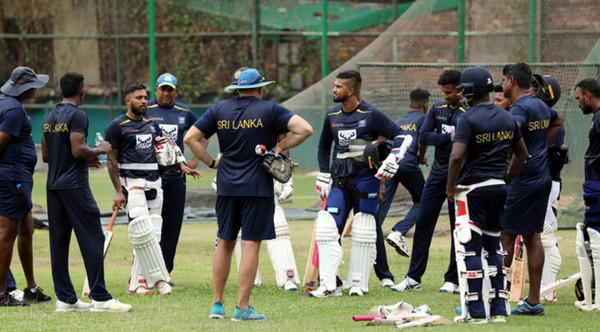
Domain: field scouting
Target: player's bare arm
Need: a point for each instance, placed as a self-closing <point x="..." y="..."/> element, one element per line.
<point x="197" y="142"/>
<point x="300" y="131"/>
<point x="454" y="164"/>
<point x="44" y="148"/>
<point x="520" y="155"/>
<point x="80" y="150"/>
<point x="422" y="154"/>
<point x="119" y="201"/>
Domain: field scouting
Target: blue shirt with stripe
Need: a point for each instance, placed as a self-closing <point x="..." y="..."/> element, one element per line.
<point x="440" y="122"/>
<point x="410" y="124"/>
<point x="134" y="141"/>
<point x="173" y="122"/>
<point x="592" y="154"/>
<point x="366" y="122"/>
<point x="18" y="158"/>
<point x="241" y="123"/>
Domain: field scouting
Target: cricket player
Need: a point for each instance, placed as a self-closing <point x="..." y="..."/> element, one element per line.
<point x="587" y="243"/>
<point x="17" y="163"/>
<point x="477" y="179"/>
<point x="409" y="174"/>
<point x="348" y="181"/>
<point x="245" y="189"/>
<point x="437" y="130"/>
<point x="71" y="205"/>
<point x="173" y="119"/>
<point x="528" y="194"/>
<point x="138" y="146"/>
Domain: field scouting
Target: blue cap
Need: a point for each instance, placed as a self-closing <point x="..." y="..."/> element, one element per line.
<point x="476" y="77"/>
<point x="249" y="79"/>
<point x="23" y="79"/>
<point x="166" y="79"/>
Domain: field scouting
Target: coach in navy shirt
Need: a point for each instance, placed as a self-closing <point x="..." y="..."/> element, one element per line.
<point x="245" y="190"/>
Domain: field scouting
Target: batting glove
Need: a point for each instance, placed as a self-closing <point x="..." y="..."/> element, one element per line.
<point x="287" y="190"/>
<point x="323" y="185"/>
<point x="389" y="167"/>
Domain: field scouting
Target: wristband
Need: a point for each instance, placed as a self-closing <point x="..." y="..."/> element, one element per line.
<point x="212" y="164"/>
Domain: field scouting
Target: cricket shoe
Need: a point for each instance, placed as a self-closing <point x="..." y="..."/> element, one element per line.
<point x="449" y="287"/>
<point x="35" y="295"/>
<point x="248" y="315"/>
<point x="6" y="300"/>
<point x="356" y="291"/>
<point x="111" y="305"/>
<point x="407" y="284"/>
<point x="290" y="286"/>
<point x="322" y="292"/>
<point x="217" y="311"/>
<point x="387" y="283"/>
<point x="68" y="307"/>
<point x="587" y="308"/>
<point x="17" y="294"/>
<point x="474" y="321"/>
<point x="498" y="319"/>
<point x="527" y="309"/>
<point x="141" y="291"/>
<point x="163" y="288"/>
<point x="398" y="241"/>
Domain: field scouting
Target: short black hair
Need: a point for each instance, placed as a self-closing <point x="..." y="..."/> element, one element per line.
<point x="521" y="72"/>
<point x="590" y="85"/>
<point x="353" y="76"/>
<point x="70" y="84"/>
<point x="449" y="76"/>
<point x="418" y="97"/>
<point x="134" y="87"/>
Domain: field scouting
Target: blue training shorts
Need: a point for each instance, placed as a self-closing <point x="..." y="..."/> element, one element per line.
<point x="486" y="205"/>
<point x="254" y="215"/>
<point x="15" y="199"/>
<point x="526" y="208"/>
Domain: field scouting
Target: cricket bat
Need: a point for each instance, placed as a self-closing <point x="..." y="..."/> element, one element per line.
<point x="311" y="274"/>
<point x="558" y="284"/>
<point x="108" y="235"/>
<point x="519" y="266"/>
<point x="347" y="232"/>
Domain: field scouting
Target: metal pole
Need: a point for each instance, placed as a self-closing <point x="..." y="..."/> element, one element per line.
<point x="117" y="56"/>
<point x="538" y="31"/>
<point x="151" y="49"/>
<point x="255" y="31"/>
<point x="395" y="38"/>
<point x="531" y="31"/>
<point x="460" y="48"/>
<point x="324" y="59"/>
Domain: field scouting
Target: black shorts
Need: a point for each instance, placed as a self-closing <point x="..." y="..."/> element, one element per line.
<point x="15" y="199"/>
<point x="254" y="215"/>
<point x="525" y="210"/>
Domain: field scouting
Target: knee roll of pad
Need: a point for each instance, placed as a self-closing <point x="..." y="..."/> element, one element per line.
<point x="147" y="250"/>
<point x="363" y="251"/>
<point x="368" y="186"/>
<point x="157" y="222"/>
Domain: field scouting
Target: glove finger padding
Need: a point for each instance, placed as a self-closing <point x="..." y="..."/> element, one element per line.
<point x="279" y="168"/>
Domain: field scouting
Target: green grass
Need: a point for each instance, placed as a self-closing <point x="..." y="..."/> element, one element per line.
<point x="188" y="307"/>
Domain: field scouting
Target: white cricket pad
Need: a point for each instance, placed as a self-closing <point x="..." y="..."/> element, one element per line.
<point x="330" y="250"/>
<point x="363" y="251"/>
<point x="147" y="250"/>
<point x="552" y="258"/>
<point x="595" y="246"/>
<point x="585" y="264"/>
<point x="137" y="279"/>
<point x="238" y="259"/>
<point x="280" y="251"/>
<point x="466" y="295"/>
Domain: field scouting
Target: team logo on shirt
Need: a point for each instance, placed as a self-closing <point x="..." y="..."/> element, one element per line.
<point x="362" y="123"/>
<point x="345" y="136"/>
<point x="143" y="141"/>
<point x="170" y="131"/>
<point x="181" y="120"/>
<point x="447" y="129"/>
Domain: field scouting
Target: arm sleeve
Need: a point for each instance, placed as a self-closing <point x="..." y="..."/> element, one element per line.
<point x="206" y="123"/>
<point x="517" y="135"/>
<point x="11" y="121"/>
<point x="112" y="134"/>
<point x="519" y="114"/>
<point x="79" y="123"/>
<point x="282" y="117"/>
<point x="463" y="130"/>
<point x="427" y="136"/>
<point x="190" y="119"/>
<point x="324" y="150"/>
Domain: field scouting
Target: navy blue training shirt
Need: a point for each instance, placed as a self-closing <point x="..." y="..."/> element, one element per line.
<point x="18" y="159"/>
<point x="135" y="142"/>
<point x="488" y="131"/>
<point x="592" y="154"/>
<point x="240" y="124"/>
<point x="173" y="121"/>
<point x="440" y="122"/>
<point x="64" y="171"/>
<point x="535" y="118"/>
<point x="410" y="124"/>
<point x="366" y="122"/>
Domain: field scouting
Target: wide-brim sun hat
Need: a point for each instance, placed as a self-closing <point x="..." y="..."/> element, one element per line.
<point x="23" y="79"/>
<point x="249" y="79"/>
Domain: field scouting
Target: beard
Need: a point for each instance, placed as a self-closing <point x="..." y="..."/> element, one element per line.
<point x="339" y="99"/>
<point x="138" y="111"/>
<point x="587" y="110"/>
